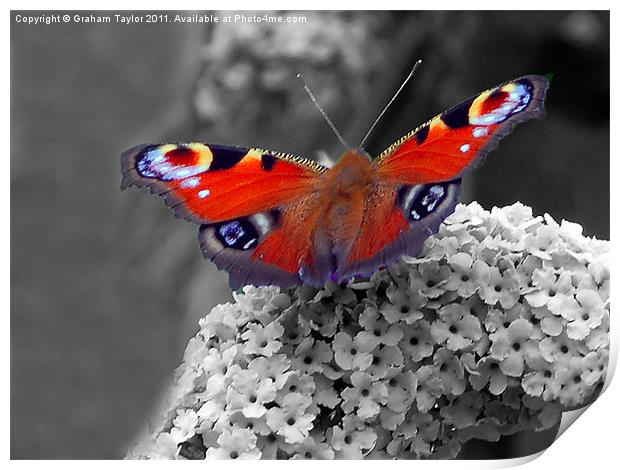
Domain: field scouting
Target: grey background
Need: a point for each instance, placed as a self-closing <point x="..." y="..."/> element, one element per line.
<point x="106" y="287"/>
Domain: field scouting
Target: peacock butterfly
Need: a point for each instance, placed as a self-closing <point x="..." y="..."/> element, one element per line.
<point x="273" y="218"/>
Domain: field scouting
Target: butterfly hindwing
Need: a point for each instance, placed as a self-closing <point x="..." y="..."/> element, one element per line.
<point x="274" y="247"/>
<point x="398" y="223"/>
<point x="456" y="140"/>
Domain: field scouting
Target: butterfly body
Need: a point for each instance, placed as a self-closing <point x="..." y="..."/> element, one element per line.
<point x="272" y="218"/>
<point x="343" y="191"/>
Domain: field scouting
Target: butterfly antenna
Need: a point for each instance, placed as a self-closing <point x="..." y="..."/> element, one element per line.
<point x="316" y="103"/>
<point x="374" y="124"/>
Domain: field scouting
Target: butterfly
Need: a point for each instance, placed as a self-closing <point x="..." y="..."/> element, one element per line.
<point x="270" y="218"/>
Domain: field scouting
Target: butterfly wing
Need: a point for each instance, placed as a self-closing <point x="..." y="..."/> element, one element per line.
<point x="419" y="175"/>
<point x="449" y="144"/>
<point x="397" y="221"/>
<point x="249" y="203"/>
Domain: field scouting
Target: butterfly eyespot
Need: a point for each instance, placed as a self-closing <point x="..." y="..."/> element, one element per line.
<point x="203" y="193"/>
<point x="433" y="197"/>
<point x="169" y="162"/>
<point x="465" y="148"/>
<point x="500" y="104"/>
<point x="420" y="201"/>
<point x="238" y="234"/>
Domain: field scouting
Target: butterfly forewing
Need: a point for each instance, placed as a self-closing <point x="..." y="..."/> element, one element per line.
<point x="456" y="140"/>
<point x="211" y="183"/>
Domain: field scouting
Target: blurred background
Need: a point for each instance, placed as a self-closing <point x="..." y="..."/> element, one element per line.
<point x="107" y="286"/>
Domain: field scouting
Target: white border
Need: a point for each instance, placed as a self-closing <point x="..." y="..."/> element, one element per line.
<point x="591" y="443"/>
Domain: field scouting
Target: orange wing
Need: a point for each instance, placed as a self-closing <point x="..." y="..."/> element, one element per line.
<point x="211" y="183"/>
<point x="447" y="145"/>
<point x="418" y="177"/>
<point x="257" y="209"/>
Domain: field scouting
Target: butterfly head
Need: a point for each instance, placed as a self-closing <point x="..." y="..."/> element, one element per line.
<point x="356" y="156"/>
<point x="354" y="169"/>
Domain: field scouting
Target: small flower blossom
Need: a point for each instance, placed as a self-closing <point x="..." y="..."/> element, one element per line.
<point x="311" y="355"/>
<point x="513" y="347"/>
<point x="352" y="353"/>
<point x="588" y="315"/>
<point x="273" y="446"/>
<point x="378" y="330"/>
<point x="263" y="340"/>
<point x="249" y="393"/>
<point x="513" y="216"/>
<point x="554" y="292"/>
<point x="489" y="372"/>
<point x="274" y="368"/>
<point x="569" y="386"/>
<point x="537" y="383"/>
<point x="325" y="394"/>
<point x="417" y="342"/>
<point x="184" y="425"/>
<point x="309" y="449"/>
<point x="296" y="383"/>
<point x="235" y="444"/>
<point x="365" y="396"/>
<point x="433" y="279"/>
<point x="260" y="302"/>
<point x="543" y="242"/>
<point x="296" y="326"/>
<point x="352" y="445"/>
<point x="500" y="287"/>
<point x="450" y="371"/>
<point x="401" y="388"/>
<point x="385" y="360"/>
<point x="549" y="323"/>
<point x="561" y="348"/>
<point x="322" y="319"/>
<point x="429" y="387"/>
<point x="467" y="274"/>
<point x="221" y="322"/>
<point x="290" y="420"/>
<point x="404" y="304"/>
<point x="455" y="327"/>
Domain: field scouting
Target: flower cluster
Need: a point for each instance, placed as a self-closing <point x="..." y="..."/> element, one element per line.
<point x="498" y="326"/>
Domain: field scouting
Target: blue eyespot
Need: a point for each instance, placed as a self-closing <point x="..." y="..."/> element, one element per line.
<point x="427" y="200"/>
<point x="238" y="234"/>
